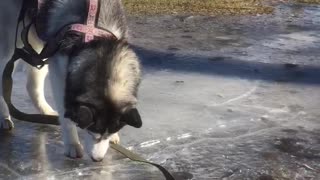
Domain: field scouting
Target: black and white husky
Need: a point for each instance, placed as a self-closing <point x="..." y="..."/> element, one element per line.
<point x="94" y="83"/>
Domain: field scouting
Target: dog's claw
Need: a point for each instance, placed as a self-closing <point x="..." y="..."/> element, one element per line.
<point x="115" y="139"/>
<point x="6" y="124"/>
<point x="73" y="151"/>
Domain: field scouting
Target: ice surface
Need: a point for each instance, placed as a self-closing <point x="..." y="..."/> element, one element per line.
<point x="221" y="98"/>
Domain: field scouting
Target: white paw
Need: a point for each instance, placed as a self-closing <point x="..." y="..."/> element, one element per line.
<point x="6" y="124"/>
<point x="115" y="139"/>
<point x="73" y="150"/>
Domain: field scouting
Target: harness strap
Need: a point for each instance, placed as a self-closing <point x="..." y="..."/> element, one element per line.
<point x="90" y="30"/>
<point x="28" y="54"/>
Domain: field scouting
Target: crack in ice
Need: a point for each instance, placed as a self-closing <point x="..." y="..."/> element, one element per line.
<point x="9" y="169"/>
<point x="149" y="143"/>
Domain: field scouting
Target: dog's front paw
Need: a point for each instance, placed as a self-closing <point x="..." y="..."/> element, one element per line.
<point x="115" y="138"/>
<point x="73" y="150"/>
<point x="6" y="124"/>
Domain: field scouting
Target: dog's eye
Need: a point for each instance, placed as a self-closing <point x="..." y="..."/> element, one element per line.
<point x="85" y="117"/>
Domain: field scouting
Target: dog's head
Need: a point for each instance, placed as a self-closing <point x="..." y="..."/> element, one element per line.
<point x="101" y="92"/>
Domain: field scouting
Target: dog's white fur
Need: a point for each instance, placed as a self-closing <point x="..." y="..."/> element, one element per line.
<point x="121" y="86"/>
<point x="96" y="147"/>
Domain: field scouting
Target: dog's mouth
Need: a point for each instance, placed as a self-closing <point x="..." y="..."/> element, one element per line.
<point x="96" y="145"/>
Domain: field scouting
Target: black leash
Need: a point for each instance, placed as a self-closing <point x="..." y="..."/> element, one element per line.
<point x="7" y="90"/>
<point x="28" y="54"/>
<point x="136" y="157"/>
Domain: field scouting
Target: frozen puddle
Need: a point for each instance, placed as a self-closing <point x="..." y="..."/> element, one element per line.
<point x="294" y="41"/>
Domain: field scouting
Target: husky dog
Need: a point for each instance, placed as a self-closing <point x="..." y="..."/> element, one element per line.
<point x="94" y="83"/>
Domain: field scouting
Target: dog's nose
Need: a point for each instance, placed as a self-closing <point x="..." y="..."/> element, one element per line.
<point x="96" y="159"/>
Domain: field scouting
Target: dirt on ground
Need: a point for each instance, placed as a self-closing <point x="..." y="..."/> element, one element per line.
<point x="207" y="7"/>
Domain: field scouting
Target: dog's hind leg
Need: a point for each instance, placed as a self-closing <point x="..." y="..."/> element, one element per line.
<point x="36" y="79"/>
<point x="5" y="119"/>
<point x="58" y="74"/>
<point x="35" y="88"/>
<point x="8" y="21"/>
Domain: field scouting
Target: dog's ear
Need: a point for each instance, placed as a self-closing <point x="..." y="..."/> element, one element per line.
<point x="132" y="118"/>
<point x="85" y="117"/>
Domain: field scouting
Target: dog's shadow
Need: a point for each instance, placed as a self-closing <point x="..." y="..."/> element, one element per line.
<point x="229" y="67"/>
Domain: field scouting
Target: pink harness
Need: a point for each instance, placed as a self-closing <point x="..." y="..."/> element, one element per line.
<point x="89" y="29"/>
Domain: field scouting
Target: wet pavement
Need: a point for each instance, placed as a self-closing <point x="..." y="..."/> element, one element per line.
<point x="221" y="98"/>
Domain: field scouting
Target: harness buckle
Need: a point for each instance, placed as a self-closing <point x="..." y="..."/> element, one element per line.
<point x="40" y="66"/>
